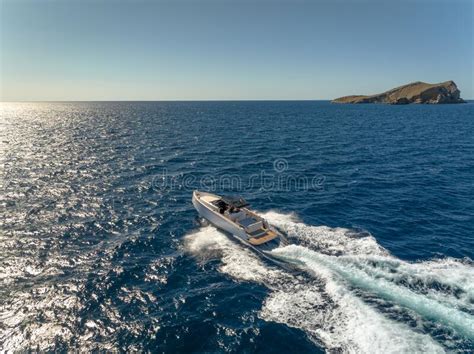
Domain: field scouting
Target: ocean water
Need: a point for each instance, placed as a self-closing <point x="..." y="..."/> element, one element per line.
<point x="100" y="248"/>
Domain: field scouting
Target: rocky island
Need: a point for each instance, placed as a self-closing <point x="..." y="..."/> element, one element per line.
<point x="415" y="92"/>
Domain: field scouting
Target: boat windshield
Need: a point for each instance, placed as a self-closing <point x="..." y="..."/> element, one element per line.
<point x="236" y="202"/>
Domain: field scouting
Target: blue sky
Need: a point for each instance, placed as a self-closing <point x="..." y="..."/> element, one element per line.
<point x="209" y="49"/>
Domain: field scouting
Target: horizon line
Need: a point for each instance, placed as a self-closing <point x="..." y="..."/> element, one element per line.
<point x="187" y="100"/>
<point x="172" y="100"/>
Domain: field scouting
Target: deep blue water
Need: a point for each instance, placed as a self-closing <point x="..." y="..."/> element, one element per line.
<point x="100" y="248"/>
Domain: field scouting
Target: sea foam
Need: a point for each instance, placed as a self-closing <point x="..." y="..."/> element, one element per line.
<point x="340" y="300"/>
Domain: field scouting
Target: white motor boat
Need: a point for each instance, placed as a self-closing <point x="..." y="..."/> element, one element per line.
<point x="231" y="215"/>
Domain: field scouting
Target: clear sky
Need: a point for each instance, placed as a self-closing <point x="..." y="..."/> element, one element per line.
<point x="224" y="49"/>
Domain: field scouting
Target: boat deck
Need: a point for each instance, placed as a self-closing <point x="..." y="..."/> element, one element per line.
<point x="209" y="198"/>
<point x="255" y="227"/>
<point x="268" y="236"/>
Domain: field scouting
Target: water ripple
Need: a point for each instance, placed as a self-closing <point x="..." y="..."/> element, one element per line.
<point x="96" y="254"/>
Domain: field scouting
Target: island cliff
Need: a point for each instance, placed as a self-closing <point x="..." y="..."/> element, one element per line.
<point x="415" y="92"/>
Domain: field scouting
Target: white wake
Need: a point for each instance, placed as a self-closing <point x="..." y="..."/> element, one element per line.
<point x="353" y="296"/>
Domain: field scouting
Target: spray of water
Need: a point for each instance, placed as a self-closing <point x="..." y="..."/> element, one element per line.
<point x="353" y="296"/>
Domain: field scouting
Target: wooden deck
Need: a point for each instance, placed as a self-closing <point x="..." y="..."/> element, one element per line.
<point x="270" y="235"/>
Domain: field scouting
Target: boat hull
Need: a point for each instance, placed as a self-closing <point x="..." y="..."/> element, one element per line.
<point x="237" y="232"/>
